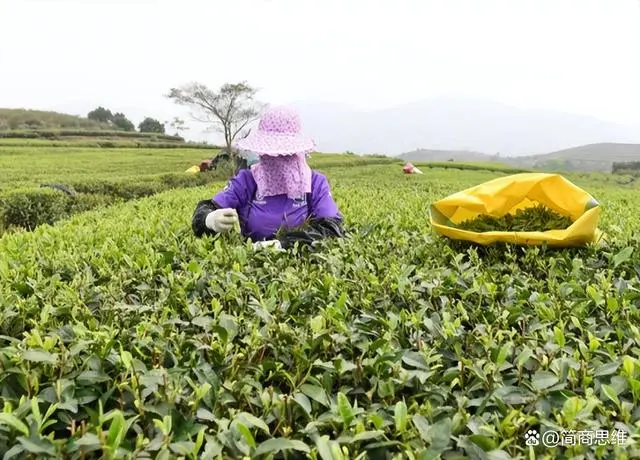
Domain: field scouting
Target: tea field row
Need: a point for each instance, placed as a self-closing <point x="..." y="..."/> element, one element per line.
<point x="132" y="337"/>
<point x="24" y="166"/>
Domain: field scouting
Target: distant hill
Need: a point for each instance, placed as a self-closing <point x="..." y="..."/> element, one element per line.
<point x="591" y="157"/>
<point x="22" y="119"/>
<point x="39" y="128"/>
<point x="457" y="124"/>
<point x="608" y="151"/>
<point x="446" y="155"/>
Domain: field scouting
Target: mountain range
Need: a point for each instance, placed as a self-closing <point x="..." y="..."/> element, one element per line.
<point x="457" y="124"/>
<point x="592" y="157"/>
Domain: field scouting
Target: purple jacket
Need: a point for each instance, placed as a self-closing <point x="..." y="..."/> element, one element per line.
<point x="261" y="217"/>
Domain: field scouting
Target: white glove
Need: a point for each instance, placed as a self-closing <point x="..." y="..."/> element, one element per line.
<point x="275" y="244"/>
<point x="221" y="220"/>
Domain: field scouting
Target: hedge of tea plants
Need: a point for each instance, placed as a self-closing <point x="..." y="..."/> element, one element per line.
<point x="74" y="133"/>
<point x="28" y="208"/>
<point x="123" y="336"/>
<point x="29" y="166"/>
<point x="103" y="178"/>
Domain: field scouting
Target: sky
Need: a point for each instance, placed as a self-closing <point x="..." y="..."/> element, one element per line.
<point x="577" y="56"/>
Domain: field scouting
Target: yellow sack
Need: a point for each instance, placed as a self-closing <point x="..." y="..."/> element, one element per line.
<point x="508" y="194"/>
<point x="193" y="169"/>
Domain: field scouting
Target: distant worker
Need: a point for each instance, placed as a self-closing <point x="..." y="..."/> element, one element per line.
<point x="279" y="191"/>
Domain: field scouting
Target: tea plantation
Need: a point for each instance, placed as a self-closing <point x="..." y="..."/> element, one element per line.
<point x="124" y="336"/>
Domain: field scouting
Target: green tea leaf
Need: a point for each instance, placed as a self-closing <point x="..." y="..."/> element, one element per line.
<point x="205" y="414"/>
<point x="440" y="434"/>
<point x="37" y="445"/>
<point x="252" y="420"/>
<point x="485" y="443"/>
<point x="39" y="356"/>
<point x="537" y="218"/>
<point x="368" y="435"/>
<point x="543" y="380"/>
<point x="246" y="434"/>
<point x="303" y="402"/>
<point x="92" y="377"/>
<point x="116" y="431"/>
<point x="14" y="422"/>
<point x="89" y="440"/>
<point x="13" y="452"/>
<point x="524" y="356"/>
<point x="400" y="416"/>
<point x="324" y="448"/>
<point x="344" y="409"/>
<point x="610" y="393"/>
<point x="422" y="425"/>
<point x="514" y="395"/>
<point x="415" y="359"/>
<point x="274" y="445"/>
<point x="629" y="366"/>
<point x="316" y="393"/>
<point x="606" y="369"/>
<point x="622" y="256"/>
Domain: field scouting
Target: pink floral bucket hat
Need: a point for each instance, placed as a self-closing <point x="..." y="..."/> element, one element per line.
<point x="279" y="133"/>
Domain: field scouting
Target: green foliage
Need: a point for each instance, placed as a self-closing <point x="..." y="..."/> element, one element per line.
<point x="65" y="134"/>
<point x="120" y="121"/>
<point x="88" y="202"/>
<point x="537" y="218"/>
<point x="121" y="335"/>
<point x="26" y="166"/>
<point x="626" y="167"/>
<point x="602" y="164"/>
<point x="151" y="125"/>
<point x="30" y="208"/>
<point x="488" y="166"/>
<point x="117" y="120"/>
<point x="30" y="166"/>
<point x="20" y="119"/>
<point x="101" y="115"/>
<point x="88" y="142"/>
<point x="101" y="179"/>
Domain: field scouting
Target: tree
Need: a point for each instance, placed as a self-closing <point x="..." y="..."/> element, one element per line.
<point x="120" y="121"/>
<point x="151" y="125"/>
<point x="101" y="115"/>
<point x="177" y="124"/>
<point x="229" y="110"/>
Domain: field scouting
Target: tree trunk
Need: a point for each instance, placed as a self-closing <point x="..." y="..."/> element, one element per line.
<point x="230" y="150"/>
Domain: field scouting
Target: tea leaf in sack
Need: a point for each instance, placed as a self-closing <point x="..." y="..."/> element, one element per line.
<point x="537" y="218"/>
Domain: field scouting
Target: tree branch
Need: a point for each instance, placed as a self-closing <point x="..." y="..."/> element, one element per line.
<point x="229" y="110"/>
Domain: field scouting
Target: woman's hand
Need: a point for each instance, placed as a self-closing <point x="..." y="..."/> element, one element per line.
<point x="222" y="220"/>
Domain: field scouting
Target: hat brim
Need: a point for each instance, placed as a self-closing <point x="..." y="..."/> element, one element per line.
<point x="276" y="144"/>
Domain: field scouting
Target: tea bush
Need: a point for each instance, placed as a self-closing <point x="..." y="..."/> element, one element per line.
<point x="487" y="166"/>
<point x="90" y="142"/>
<point x="32" y="166"/>
<point x="29" y="208"/>
<point x="115" y="174"/>
<point x="124" y="336"/>
<point x="60" y="134"/>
